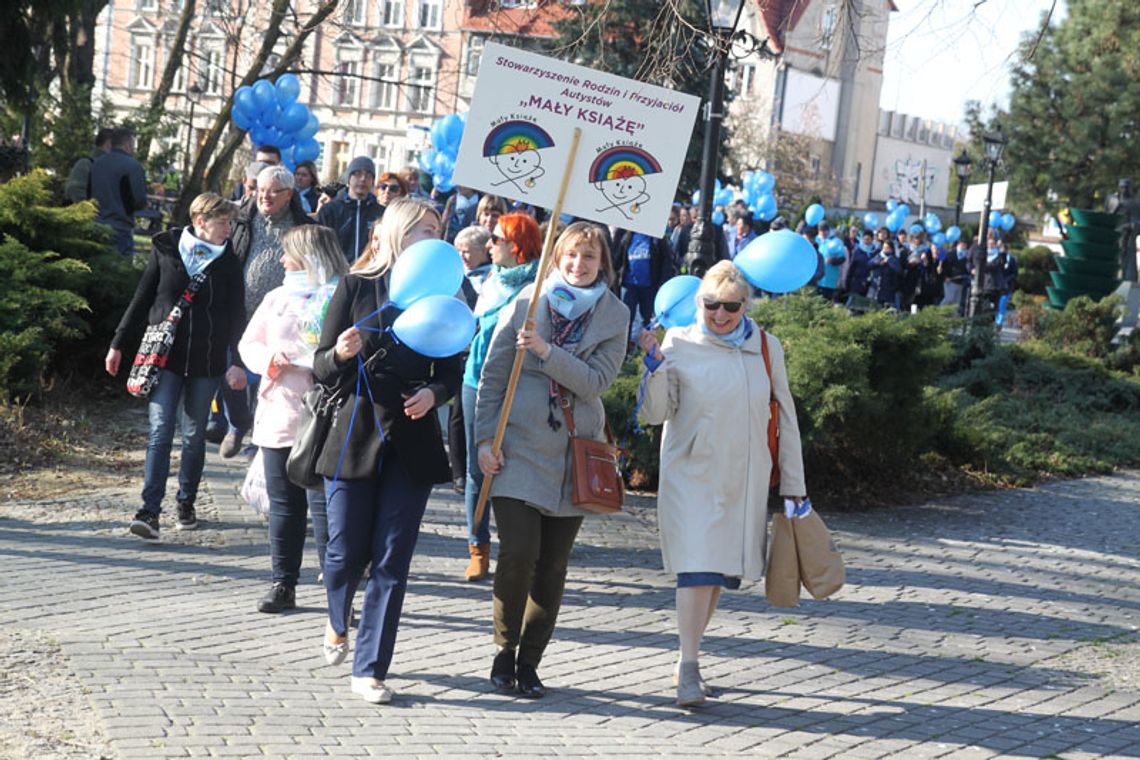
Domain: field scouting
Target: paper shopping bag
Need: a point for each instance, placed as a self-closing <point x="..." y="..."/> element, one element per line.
<point x="782" y="581"/>
<point x="820" y="564"/>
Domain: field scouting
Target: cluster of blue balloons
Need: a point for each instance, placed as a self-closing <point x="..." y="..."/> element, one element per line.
<point x="439" y="159"/>
<point x="756" y="190"/>
<point x="896" y="215"/>
<point x="425" y="279"/>
<point x="1003" y="222"/>
<point x="272" y="116"/>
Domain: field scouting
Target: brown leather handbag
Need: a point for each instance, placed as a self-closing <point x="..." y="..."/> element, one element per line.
<point x="594" y="468"/>
<point x="773" y="416"/>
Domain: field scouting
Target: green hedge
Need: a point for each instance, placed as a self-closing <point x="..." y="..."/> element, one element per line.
<point x="893" y="406"/>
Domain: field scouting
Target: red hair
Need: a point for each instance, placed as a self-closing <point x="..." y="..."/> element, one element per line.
<point x="522" y="231"/>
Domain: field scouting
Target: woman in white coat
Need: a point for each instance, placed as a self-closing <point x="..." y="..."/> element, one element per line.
<point x="707" y="383"/>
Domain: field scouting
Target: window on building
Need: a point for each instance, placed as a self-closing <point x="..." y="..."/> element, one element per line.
<point x="420" y="81"/>
<point x="384" y="88"/>
<point x="355" y="11"/>
<point x="347" y="83"/>
<point x="340" y="158"/>
<point x="392" y="12"/>
<point x="827" y="23"/>
<point x="148" y="5"/>
<point x="142" y="64"/>
<point x="746" y="80"/>
<point x="517" y="3"/>
<point x="210" y="70"/>
<point x="430" y="13"/>
<point x="815" y="164"/>
<point x="474" y="56"/>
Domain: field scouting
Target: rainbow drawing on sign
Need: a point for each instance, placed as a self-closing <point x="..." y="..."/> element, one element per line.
<point x="619" y="175"/>
<point x="622" y="162"/>
<point x="512" y="147"/>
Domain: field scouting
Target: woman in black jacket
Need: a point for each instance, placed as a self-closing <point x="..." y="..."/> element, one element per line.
<point x="384" y="451"/>
<point x="206" y="335"/>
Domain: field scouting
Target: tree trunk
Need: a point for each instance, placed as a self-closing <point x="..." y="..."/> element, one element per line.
<point x="158" y="99"/>
<point x="195" y="182"/>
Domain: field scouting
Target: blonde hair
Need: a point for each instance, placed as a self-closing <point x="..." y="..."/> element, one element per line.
<point x="212" y="206"/>
<point x="720" y="276"/>
<point x="592" y="234"/>
<point x="399" y="217"/>
<point x="316" y="249"/>
<point x="490" y="203"/>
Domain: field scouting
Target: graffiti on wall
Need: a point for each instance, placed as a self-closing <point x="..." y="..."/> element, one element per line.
<point x="906" y="182"/>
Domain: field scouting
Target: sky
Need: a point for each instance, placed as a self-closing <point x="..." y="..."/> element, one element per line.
<point x="941" y="53"/>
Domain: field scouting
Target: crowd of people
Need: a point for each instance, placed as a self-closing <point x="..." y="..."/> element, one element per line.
<point x="287" y="287"/>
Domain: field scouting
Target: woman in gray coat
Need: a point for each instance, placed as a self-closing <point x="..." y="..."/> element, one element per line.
<point x="574" y="346"/>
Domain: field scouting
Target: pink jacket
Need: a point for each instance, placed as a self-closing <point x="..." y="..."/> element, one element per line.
<point x="276" y="327"/>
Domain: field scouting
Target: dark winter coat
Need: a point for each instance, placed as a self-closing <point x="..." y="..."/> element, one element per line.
<point x="216" y="318"/>
<point x="242" y="234"/>
<point x="351" y="221"/>
<point x="118" y="184"/>
<point x="396" y="372"/>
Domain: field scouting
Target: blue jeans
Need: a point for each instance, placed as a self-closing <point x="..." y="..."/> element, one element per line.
<point x="639" y="298"/>
<point x="193" y="394"/>
<point x="482" y="533"/>
<point x="375" y="520"/>
<point x="289" y="505"/>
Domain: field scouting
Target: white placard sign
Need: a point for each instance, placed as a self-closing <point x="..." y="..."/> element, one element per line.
<point x="518" y="134"/>
<point x="975" y="199"/>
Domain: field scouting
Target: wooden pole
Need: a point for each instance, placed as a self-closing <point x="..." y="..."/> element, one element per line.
<point x="520" y="354"/>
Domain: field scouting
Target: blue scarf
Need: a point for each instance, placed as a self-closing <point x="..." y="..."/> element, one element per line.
<point x="502" y="285"/>
<point x="867" y="248"/>
<point x="736" y="338"/>
<point x="571" y="301"/>
<point x="197" y="254"/>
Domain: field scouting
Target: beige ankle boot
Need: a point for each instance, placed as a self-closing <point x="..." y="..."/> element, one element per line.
<point x="480" y="565"/>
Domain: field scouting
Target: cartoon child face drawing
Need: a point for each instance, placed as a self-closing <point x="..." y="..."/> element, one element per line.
<point x="624" y="193"/>
<point x="517" y="167"/>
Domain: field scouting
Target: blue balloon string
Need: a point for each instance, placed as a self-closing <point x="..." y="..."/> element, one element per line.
<point x="361" y="373"/>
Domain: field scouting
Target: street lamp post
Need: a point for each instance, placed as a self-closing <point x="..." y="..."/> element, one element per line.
<point x="962" y="167"/>
<point x="723" y="17"/>
<point x="193" y="94"/>
<point x="994" y="144"/>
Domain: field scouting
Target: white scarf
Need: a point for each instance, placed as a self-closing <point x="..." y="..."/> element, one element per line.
<point x="196" y="253"/>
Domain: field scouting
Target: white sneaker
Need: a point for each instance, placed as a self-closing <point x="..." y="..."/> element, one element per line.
<point x="372" y="690"/>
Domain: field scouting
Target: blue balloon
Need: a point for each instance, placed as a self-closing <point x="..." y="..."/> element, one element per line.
<point x="259" y="135"/>
<point x="939" y="239"/>
<point x="264" y="96"/>
<point x="435" y="326"/>
<point x="932" y="223"/>
<point x="895" y="220"/>
<point x="310" y="128"/>
<point x="871" y="220"/>
<point x="834" y="247"/>
<point x="953" y="232"/>
<point x="287" y="88"/>
<point x="453" y="132"/>
<point x="293" y="118"/>
<point x="307" y="150"/>
<point x="1007" y="222"/>
<point x="718" y="217"/>
<point x="916" y="228"/>
<point x="441" y="183"/>
<point x="814" y="215"/>
<point x="765" y="208"/>
<point x="995" y="220"/>
<point x="763" y="181"/>
<point x="905" y="209"/>
<point x="724" y="196"/>
<point x="426" y="268"/>
<point x="696" y="197"/>
<point x="438" y="135"/>
<point x="241" y="119"/>
<point x="892" y="204"/>
<point x="675" y="304"/>
<point x="778" y="262"/>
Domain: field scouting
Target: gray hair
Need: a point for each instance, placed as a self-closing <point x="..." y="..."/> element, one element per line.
<point x="278" y="174"/>
<point x="253" y="168"/>
<point x="476" y="236"/>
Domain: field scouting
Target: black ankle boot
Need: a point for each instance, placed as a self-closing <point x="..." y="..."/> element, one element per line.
<point x="503" y="671"/>
<point x="528" y="683"/>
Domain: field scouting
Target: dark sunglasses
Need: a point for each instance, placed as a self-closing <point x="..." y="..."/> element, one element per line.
<point x="495" y="239"/>
<point x="730" y="306"/>
<point x="389" y="188"/>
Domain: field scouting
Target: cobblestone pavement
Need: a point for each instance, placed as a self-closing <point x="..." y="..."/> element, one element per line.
<point x="997" y="624"/>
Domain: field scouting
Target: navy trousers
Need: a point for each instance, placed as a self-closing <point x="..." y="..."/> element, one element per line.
<point x="373" y="520"/>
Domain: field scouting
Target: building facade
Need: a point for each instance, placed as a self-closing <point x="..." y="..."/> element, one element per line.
<point x="820" y="77"/>
<point x="377" y="73"/>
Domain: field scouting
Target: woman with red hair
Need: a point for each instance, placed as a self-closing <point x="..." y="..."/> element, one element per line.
<point x="389" y="187"/>
<point x="515" y="247"/>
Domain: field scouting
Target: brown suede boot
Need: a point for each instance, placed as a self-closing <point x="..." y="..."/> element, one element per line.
<point x="480" y="565"/>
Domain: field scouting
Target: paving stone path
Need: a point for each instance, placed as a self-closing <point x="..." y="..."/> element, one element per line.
<point x="997" y="624"/>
